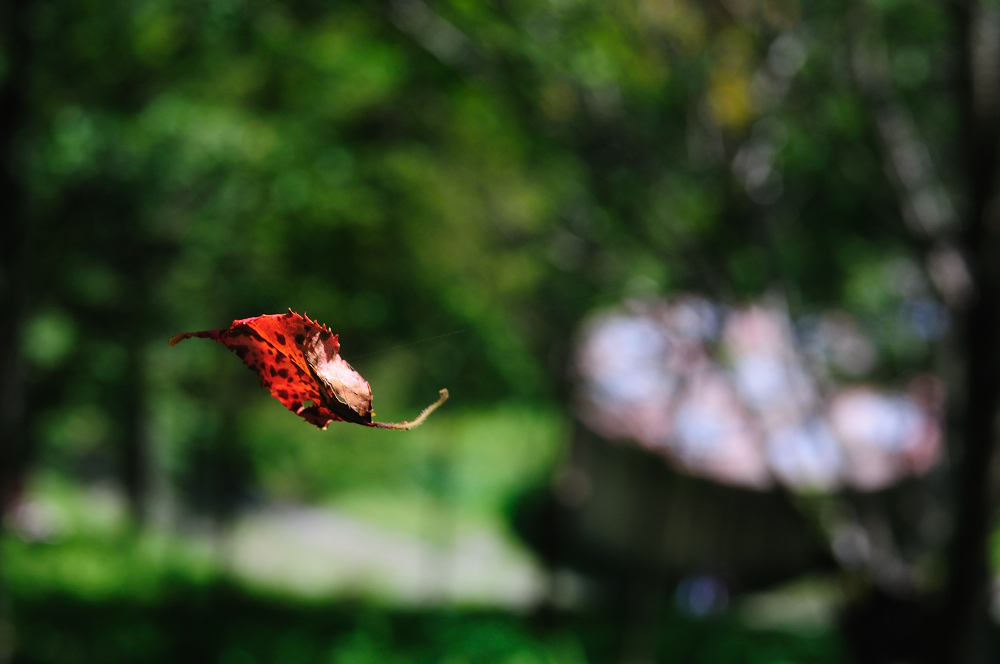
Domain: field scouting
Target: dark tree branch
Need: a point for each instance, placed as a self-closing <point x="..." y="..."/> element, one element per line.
<point x="978" y="91"/>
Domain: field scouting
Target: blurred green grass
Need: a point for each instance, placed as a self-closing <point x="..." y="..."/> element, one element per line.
<point x="476" y="459"/>
<point x="99" y="590"/>
<point x="174" y="612"/>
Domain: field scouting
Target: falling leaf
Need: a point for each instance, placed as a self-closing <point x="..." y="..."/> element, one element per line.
<point x="299" y="362"/>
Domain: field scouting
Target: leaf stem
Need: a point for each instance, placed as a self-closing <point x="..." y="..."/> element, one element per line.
<point x="207" y="334"/>
<point x="406" y="426"/>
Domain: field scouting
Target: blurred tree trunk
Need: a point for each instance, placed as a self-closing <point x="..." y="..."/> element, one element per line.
<point x="134" y="452"/>
<point x="966" y="625"/>
<point x="13" y="101"/>
<point x="13" y="114"/>
<point x="140" y="261"/>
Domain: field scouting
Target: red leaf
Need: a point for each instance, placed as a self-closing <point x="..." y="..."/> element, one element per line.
<point x="299" y="361"/>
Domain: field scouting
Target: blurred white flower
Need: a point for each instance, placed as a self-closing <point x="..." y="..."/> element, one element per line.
<point x="754" y="415"/>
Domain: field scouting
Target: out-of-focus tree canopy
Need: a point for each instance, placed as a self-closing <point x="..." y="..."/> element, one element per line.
<point x="472" y="176"/>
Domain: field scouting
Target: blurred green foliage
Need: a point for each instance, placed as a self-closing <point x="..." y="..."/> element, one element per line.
<point x="108" y="599"/>
<point x="403" y="171"/>
<point x="101" y="592"/>
<point x="451" y="186"/>
<point x="219" y="623"/>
